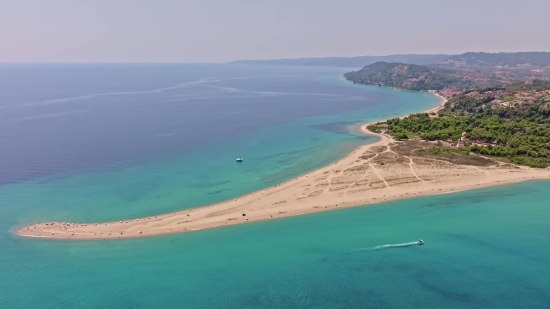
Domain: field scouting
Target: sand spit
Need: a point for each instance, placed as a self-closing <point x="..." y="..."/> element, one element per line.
<point x="371" y="174"/>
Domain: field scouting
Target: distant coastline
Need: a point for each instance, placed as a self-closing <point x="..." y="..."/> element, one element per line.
<point x="371" y="174"/>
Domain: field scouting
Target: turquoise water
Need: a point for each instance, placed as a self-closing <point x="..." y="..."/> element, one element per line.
<point x="161" y="182"/>
<point x="69" y="155"/>
<point x="484" y="249"/>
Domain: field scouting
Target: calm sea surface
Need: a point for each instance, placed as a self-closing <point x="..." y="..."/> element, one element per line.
<point x="106" y="142"/>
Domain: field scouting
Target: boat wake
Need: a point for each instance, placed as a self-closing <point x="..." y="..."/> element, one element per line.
<point x="388" y="246"/>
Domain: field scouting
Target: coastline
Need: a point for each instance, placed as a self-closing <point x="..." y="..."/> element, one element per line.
<point x="441" y="104"/>
<point x="337" y="185"/>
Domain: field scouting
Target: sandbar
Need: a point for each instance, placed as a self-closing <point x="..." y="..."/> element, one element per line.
<point x="371" y="174"/>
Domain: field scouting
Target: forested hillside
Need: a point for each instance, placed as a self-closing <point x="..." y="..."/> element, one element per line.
<point x="492" y="60"/>
<point x="510" y="122"/>
<point x="507" y="66"/>
<point x="418" y="77"/>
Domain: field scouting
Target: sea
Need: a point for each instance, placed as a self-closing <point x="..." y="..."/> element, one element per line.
<point x="103" y="142"/>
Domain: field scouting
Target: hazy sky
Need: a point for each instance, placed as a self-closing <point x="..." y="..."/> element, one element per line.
<point x="223" y="30"/>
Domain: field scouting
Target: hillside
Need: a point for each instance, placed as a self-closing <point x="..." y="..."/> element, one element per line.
<point x="504" y="66"/>
<point x="418" y="77"/>
<point x="511" y="123"/>
<point x="347" y="62"/>
<point x="491" y="60"/>
<point x="507" y="66"/>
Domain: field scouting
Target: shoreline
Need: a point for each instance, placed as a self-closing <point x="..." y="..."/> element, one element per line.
<point x="441" y="104"/>
<point x="337" y="185"/>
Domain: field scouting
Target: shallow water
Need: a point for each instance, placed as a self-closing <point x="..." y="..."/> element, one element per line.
<point x="109" y="142"/>
<point x="141" y="149"/>
<point x="483" y="249"/>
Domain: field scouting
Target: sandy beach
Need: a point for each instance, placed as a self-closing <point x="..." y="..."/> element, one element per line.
<point x="441" y="104"/>
<point x="369" y="175"/>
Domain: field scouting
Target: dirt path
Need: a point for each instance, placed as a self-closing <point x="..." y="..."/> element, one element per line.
<point x="412" y="168"/>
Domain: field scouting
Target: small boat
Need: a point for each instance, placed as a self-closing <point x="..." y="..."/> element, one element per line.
<point x="420" y="242"/>
<point x="239" y="159"/>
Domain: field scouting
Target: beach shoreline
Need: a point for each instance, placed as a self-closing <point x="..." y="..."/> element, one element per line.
<point x="441" y="104"/>
<point x="341" y="184"/>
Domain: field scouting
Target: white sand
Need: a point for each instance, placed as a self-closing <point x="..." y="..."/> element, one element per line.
<point x="352" y="181"/>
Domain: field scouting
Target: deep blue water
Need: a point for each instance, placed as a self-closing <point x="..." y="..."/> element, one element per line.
<point x="61" y="118"/>
<point x="105" y="142"/>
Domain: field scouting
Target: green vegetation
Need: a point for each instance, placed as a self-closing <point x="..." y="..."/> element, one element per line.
<point x="419" y="77"/>
<point x="510" y="122"/>
<point x="374" y="128"/>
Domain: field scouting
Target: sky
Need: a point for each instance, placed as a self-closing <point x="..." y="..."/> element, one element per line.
<point x="224" y="30"/>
